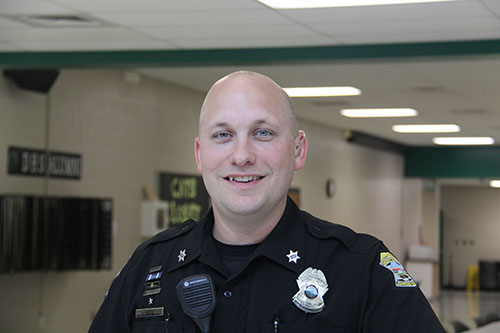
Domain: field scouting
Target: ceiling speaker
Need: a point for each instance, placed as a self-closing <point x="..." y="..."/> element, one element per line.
<point x="38" y="80"/>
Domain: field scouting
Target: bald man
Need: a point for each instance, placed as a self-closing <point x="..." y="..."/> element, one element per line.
<point x="272" y="267"/>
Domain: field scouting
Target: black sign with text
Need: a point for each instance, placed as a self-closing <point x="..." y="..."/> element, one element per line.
<point x="186" y="196"/>
<point x="37" y="162"/>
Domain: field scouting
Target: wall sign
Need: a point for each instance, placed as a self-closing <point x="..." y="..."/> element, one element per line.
<point x="33" y="162"/>
<point x="186" y="196"/>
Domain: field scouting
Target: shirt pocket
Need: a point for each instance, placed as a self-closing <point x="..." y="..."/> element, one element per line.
<point x="269" y="328"/>
<point x="160" y="326"/>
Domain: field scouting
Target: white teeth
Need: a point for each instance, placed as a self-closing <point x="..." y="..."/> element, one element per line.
<point x="244" y="179"/>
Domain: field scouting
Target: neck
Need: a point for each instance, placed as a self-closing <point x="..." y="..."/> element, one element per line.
<point x="245" y="229"/>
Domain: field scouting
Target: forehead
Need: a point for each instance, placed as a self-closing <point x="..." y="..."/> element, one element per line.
<point x="247" y="100"/>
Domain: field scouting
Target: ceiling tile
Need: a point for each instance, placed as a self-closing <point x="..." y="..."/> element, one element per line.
<point x="249" y="42"/>
<point x="101" y="45"/>
<point x="427" y="36"/>
<point x="154" y="5"/>
<point x="9" y="7"/>
<point x="194" y="18"/>
<point x="110" y="34"/>
<point x="9" y="23"/>
<point x="215" y="33"/>
<point x="493" y="5"/>
<point x="403" y="27"/>
<point x="9" y="47"/>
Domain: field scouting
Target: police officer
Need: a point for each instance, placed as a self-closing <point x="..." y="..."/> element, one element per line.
<point x="275" y="268"/>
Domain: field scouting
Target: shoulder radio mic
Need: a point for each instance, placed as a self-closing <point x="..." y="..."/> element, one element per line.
<point x="197" y="297"/>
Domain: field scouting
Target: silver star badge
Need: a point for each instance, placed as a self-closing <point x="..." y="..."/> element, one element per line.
<point x="150" y="301"/>
<point x="312" y="286"/>
<point x="182" y="255"/>
<point x="293" y="256"/>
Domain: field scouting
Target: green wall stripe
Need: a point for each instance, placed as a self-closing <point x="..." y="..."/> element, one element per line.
<point x="220" y="57"/>
<point x="453" y="162"/>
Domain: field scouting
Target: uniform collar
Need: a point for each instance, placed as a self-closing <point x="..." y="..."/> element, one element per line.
<point x="199" y="245"/>
<point x="287" y="238"/>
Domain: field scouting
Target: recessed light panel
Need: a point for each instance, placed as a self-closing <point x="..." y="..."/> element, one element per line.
<point x="430" y="128"/>
<point x="375" y="113"/>
<point x="322" y="91"/>
<point x="464" y="141"/>
<point x="495" y="183"/>
<point x="298" y="4"/>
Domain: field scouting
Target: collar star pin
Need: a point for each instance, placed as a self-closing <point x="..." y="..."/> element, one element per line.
<point x="312" y="286"/>
<point x="293" y="256"/>
<point x="182" y="255"/>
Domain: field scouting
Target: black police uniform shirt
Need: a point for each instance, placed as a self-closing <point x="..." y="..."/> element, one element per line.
<point x="367" y="290"/>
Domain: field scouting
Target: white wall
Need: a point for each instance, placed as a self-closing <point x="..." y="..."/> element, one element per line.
<point x="126" y="133"/>
<point x="471" y="229"/>
<point x="431" y="206"/>
<point x="369" y="185"/>
<point x="412" y="217"/>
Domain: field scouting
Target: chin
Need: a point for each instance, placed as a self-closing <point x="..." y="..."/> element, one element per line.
<point x="244" y="206"/>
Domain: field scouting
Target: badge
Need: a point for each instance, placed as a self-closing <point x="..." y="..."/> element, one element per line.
<point x="401" y="276"/>
<point x="312" y="286"/>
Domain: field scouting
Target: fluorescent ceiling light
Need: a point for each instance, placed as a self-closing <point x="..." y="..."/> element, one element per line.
<point x="441" y="128"/>
<point x="369" y="113"/>
<point x="495" y="183"/>
<point x="297" y="4"/>
<point x="322" y="91"/>
<point x="478" y="140"/>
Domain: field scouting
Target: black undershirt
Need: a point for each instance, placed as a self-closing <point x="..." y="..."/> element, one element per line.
<point x="233" y="256"/>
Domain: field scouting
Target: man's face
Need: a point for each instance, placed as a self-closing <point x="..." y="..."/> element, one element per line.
<point x="246" y="150"/>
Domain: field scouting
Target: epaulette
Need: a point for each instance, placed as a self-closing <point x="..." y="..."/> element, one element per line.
<point x="169" y="234"/>
<point x="323" y="230"/>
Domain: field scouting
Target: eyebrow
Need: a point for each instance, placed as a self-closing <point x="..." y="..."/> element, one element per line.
<point x="220" y="124"/>
<point x="225" y="124"/>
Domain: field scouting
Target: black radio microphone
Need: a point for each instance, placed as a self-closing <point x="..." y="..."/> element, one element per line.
<point x="197" y="297"/>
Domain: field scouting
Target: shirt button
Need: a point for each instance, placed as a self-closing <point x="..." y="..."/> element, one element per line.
<point x="228" y="293"/>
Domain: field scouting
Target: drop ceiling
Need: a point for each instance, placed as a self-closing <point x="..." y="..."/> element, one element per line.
<point x="461" y="90"/>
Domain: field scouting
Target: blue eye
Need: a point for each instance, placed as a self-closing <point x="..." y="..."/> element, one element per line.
<point x="263" y="133"/>
<point x="222" y="135"/>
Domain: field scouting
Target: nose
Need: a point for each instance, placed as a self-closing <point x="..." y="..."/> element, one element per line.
<point x="243" y="153"/>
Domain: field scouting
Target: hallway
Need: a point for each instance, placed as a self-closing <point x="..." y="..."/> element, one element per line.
<point x="465" y="306"/>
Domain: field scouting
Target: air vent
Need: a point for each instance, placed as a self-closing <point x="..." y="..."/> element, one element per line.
<point x="333" y="103"/>
<point x="469" y="112"/>
<point x="58" y="20"/>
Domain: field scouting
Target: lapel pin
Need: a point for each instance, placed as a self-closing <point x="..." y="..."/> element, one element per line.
<point x="293" y="256"/>
<point x="182" y="255"/>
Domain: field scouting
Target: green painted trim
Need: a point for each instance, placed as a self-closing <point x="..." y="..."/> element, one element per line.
<point x="221" y="57"/>
<point x="453" y="162"/>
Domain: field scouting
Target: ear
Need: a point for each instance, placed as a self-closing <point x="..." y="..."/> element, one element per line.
<point x="300" y="150"/>
<point x="197" y="153"/>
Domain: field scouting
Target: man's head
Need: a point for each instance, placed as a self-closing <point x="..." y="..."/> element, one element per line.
<point x="248" y="146"/>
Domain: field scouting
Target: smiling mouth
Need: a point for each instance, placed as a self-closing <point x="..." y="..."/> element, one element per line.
<point x="243" y="179"/>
